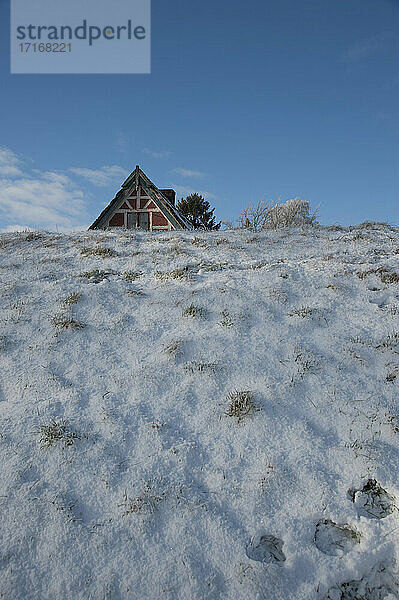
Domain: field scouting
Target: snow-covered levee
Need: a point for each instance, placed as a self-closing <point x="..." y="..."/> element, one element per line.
<point x="200" y="416"/>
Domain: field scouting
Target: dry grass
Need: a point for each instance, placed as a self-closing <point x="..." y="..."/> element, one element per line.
<point x="383" y="273"/>
<point x="241" y="405"/>
<point x="227" y="320"/>
<point x="152" y="493"/>
<point x="62" y="322"/>
<point x="370" y="225"/>
<point x="96" y="276"/>
<point x="390" y="342"/>
<point x="101" y="252"/>
<point x="71" y="299"/>
<point x="305" y="362"/>
<point x="56" y="433"/>
<point x="178" y="274"/>
<point x="33" y="236"/>
<point x="393" y="422"/>
<point x="3" y="342"/>
<point x="193" y="311"/>
<point x="130" y="276"/>
<point x="302" y="311"/>
<point x="375" y="502"/>
<point x="174" y="348"/>
<point x="200" y="242"/>
<point x="201" y="367"/>
<point x="135" y="293"/>
<point x="177" y="249"/>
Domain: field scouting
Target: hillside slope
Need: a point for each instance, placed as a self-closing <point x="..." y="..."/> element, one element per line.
<point x="199" y="416"/>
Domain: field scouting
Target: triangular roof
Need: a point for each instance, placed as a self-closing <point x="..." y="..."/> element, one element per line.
<point x="136" y="178"/>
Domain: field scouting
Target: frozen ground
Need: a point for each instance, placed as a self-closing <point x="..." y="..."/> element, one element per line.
<point x="200" y="416"/>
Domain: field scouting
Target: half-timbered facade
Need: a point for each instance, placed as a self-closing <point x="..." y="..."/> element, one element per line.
<point x="141" y="205"/>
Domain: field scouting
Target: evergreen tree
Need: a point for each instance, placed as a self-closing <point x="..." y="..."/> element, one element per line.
<point x="197" y="210"/>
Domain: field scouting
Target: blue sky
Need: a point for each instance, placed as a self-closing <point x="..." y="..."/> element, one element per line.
<point x="246" y="101"/>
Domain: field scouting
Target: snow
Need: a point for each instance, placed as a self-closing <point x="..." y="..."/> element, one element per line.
<point x="124" y="474"/>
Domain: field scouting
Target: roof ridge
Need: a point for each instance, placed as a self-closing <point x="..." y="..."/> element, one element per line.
<point x="137" y="177"/>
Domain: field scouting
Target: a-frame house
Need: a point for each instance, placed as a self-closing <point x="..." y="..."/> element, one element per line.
<point x="141" y="205"/>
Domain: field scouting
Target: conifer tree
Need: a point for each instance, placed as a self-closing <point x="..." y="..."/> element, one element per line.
<point x="198" y="211"/>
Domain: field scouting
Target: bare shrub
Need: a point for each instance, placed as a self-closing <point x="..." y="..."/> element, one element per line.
<point x="266" y="215"/>
<point x="254" y="216"/>
<point x="292" y="212"/>
<point x="228" y="224"/>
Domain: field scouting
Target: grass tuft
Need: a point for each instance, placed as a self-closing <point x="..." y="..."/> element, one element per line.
<point x="390" y="342"/>
<point x="71" y="299"/>
<point x="101" y="251"/>
<point x="383" y="273"/>
<point x="174" y="348"/>
<point x="193" y="311"/>
<point x="96" y="276"/>
<point x="62" y="322"/>
<point x="33" y="236"/>
<point x="201" y="367"/>
<point x="241" y="405"/>
<point x="302" y="311"/>
<point x="226" y="321"/>
<point x="174" y="274"/>
<point x="130" y="276"/>
<point x="146" y="501"/>
<point x="135" y="293"/>
<point x="3" y="342"/>
<point x="56" y="433"/>
<point x="201" y="243"/>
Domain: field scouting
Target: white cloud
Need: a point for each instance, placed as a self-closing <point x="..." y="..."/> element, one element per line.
<point x="9" y="163"/>
<point x="183" y="191"/>
<point x="11" y="228"/>
<point x="122" y="142"/>
<point x="56" y="177"/>
<point x="189" y="173"/>
<point x="373" y="45"/>
<point x="32" y="199"/>
<point x="103" y="176"/>
<point x="41" y="203"/>
<point x="161" y="154"/>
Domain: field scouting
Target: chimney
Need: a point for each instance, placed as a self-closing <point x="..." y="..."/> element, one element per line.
<point x="170" y="195"/>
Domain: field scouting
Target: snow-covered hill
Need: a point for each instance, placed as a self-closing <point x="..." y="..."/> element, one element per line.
<point x="200" y="416"/>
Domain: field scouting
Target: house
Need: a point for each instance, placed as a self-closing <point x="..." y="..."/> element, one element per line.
<point x="141" y="205"/>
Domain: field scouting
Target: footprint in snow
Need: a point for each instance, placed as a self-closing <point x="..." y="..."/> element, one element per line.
<point x="372" y="500"/>
<point x="266" y="549"/>
<point x="333" y="539"/>
<point x="380" y="583"/>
